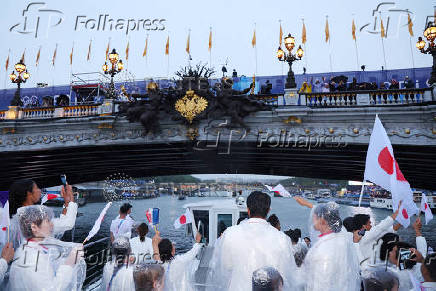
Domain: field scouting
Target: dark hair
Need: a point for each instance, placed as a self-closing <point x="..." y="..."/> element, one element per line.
<point x="258" y="203"/>
<point x="145" y="275"/>
<point x="240" y="219"/>
<point x="125" y="208"/>
<point x="349" y="224"/>
<point x="430" y="265"/>
<point x="266" y="279"/>
<point x="142" y="231"/>
<point x="297" y="232"/>
<point x="389" y="241"/>
<point x="306" y="237"/>
<point x="380" y="280"/>
<point x="360" y="220"/>
<point x="273" y="220"/>
<point x="18" y="194"/>
<point x="165" y="250"/>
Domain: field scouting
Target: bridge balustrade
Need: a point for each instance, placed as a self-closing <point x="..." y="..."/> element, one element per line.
<point x="51" y="112"/>
<point x="367" y="98"/>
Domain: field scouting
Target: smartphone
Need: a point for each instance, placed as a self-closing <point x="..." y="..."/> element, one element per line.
<point x="404" y="256"/>
<point x="361" y="232"/>
<point x="64" y="179"/>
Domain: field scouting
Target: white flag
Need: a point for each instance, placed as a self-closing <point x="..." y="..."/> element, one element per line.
<point x="382" y="169"/>
<point x="281" y="191"/>
<point x="269" y="187"/>
<point x="185" y="218"/>
<point x="98" y="222"/>
<point x="425" y="207"/>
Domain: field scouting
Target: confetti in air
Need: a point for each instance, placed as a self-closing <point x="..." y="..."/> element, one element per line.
<point x="119" y="186"/>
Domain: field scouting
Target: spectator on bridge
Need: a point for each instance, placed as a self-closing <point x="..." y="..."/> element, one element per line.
<point x="332" y="85"/>
<point x="305" y="88"/>
<point x="325" y="88"/>
<point x="353" y="85"/>
<point x="122" y="225"/>
<point x="234" y="74"/>
<point x="341" y="86"/>
<point x="317" y="86"/>
<point x="394" y="84"/>
<point x="26" y="192"/>
<point x="408" y="84"/>
<point x="149" y="277"/>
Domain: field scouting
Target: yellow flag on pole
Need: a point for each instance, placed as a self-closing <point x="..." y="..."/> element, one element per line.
<point x="107" y="49"/>
<point x="410" y="24"/>
<point x="210" y="40"/>
<point x="188" y="49"/>
<point x="144" y="53"/>
<point x="382" y="33"/>
<point x="167" y="46"/>
<point x="280" y="35"/>
<point x="89" y="50"/>
<point x="327" y="31"/>
<point x="22" y="56"/>
<point x="353" y="30"/>
<point x="127" y="50"/>
<point x="53" y="60"/>
<point x="38" y="55"/>
<point x="71" y="55"/>
<point x="7" y="63"/>
<point x="253" y="40"/>
<point x="303" y="34"/>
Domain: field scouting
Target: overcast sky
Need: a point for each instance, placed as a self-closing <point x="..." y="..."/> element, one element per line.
<point x="232" y="24"/>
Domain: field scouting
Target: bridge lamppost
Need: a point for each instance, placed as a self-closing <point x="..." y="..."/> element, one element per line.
<point x="430" y="35"/>
<point x="116" y="67"/>
<point x="290" y="58"/>
<point x="22" y="77"/>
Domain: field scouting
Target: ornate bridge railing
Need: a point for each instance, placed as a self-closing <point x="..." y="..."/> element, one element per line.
<point x="51" y="112"/>
<point x="361" y="98"/>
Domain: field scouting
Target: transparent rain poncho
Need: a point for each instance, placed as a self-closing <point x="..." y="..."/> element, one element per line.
<point x="267" y="279"/>
<point x="45" y="263"/>
<point x="118" y="273"/>
<point x="380" y="279"/>
<point x="331" y="263"/>
<point x="148" y="275"/>
<point x="300" y="251"/>
<point x="247" y="247"/>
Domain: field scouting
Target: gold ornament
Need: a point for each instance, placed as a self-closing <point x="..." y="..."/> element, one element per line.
<point x="191" y="105"/>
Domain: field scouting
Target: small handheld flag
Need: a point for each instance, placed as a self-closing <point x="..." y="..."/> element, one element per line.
<point x="49" y="196"/>
<point x="152" y="215"/>
<point x="185" y="218"/>
<point x="425" y="207"/>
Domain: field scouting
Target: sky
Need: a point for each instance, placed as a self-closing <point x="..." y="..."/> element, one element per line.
<point x="232" y="23"/>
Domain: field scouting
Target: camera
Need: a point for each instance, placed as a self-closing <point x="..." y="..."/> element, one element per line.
<point x="404" y="259"/>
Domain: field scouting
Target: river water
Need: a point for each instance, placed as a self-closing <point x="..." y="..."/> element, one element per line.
<point x="291" y="215"/>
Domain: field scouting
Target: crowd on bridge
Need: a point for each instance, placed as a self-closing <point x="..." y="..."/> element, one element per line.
<point x="340" y="84"/>
<point x="255" y="254"/>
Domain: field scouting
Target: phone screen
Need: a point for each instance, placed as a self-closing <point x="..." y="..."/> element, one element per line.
<point x="64" y="179"/>
<point x="403" y="255"/>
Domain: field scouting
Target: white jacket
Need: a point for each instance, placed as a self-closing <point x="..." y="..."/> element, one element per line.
<point x="3" y="269"/>
<point x="122" y="280"/>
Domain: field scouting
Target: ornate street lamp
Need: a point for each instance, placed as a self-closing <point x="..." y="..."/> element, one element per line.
<point x="290" y="58"/>
<point x="430" y="35"/>
<point x="115" y="66"/>
<point x="22" y="77"/>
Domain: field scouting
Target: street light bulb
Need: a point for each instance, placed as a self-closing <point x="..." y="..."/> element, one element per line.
<point x="113" y="57"/>
<point x="120" y="65"/>
<point x="280" y="53"/>
<point x="105" y="67"/>
<point x="300" y="52"/>
<point x="420" y="44"/>
<point x="289" y="42"/>
<point x="12" y="76"/>
<point x="20" y="67"/>
<point x="432" y="34"/>
<point x="26" y="75"/>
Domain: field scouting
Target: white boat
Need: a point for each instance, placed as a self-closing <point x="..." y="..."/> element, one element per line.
<point x="386" y="202"/>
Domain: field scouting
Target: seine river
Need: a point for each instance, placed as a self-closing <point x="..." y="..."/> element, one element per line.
<point x="291" y="215"/>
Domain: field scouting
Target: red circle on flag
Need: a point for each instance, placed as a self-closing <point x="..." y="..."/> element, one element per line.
<point x="4" y="228"/>
<point x="425" y="206"/>
<point x="400" y="176"/>
<point x="405" y="215"/>
<point x="182" y="219"/>
<point x="386" y="161"/>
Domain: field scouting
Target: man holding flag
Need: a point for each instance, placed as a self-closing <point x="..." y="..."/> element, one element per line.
<point x="122" y="225"/>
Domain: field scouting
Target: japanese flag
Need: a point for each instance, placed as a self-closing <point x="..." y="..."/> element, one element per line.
<point x="4" y="217"/>
<point x="185" y="218"/>
<point x="281" y="191"/>
<point x="425" y="207"/>
<point x="382" y="169"/>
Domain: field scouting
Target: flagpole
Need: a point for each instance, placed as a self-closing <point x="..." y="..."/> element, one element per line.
<point x="330" y="49"/>
<point x="357" y="55"/>
<point x="189" y="48"/>
<point x="6" y="71"/>
<point x="255" y="49"/>
<point x="383" y="46"/>
<point x="413" y="60"/>
<point x="210" y="47"/>
<point x="361" y="192"/>
<point x="305" y="51"/>
<point x="71" y="73"/>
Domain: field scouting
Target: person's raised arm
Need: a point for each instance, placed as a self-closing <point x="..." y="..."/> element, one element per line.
<point x="155" y="243"/>
<point x="303" y="202"/>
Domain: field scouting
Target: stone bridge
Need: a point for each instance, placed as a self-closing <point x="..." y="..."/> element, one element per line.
<point x="88" y="144"/>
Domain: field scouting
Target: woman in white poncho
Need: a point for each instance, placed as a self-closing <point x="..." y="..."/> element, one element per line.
<point x="43" y="262"/>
